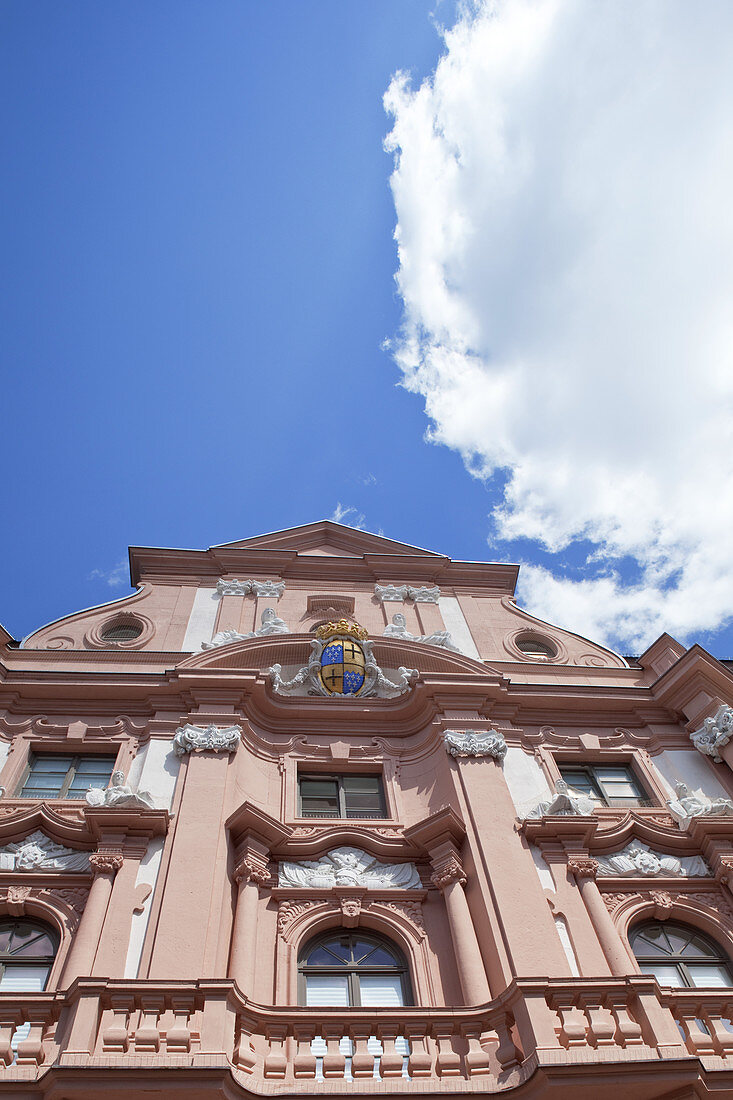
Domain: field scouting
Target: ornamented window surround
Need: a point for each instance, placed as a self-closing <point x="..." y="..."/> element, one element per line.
<point x="613" y="756"/>
<point x="59" y="906"/>
<point x="354" y="763"/>
<point x="303" y="915"/>
<point x="708" y="909"/>
<point x="25" y="745"/>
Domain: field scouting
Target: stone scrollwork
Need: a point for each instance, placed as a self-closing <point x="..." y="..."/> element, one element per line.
<point x="390" y="593"/>
<point x="475" y="743"/>
<point x="233" y="587"/>
<point x="691" y="804"/>
<point x="448" y="872"/>
<point x="250" y="870"/>
<point x="637" y="859"/>
<point x="106" y="863"/>
<point x="38" y="853"/>
<point x="398" y="629"/>
<point x="119" y="795"/>
<point x="583" y="867"/>
<point x="424" y="594"/>
<point x="349" y="867"/>
<point x="211" y="738"/>
<point x="715" y="733"/>
<point x="274" y="589"/>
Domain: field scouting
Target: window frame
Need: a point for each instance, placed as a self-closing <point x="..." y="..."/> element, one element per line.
<point x="352" y="970"/>
<point x="70" y="773"/>
<point x="338" y="778"/>
<point x="18" y="961"/>
<point x="589" y="767"/>
<point x="718" y="954"/>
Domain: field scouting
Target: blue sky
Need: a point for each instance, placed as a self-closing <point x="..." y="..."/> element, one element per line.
<point x="198" y="227"/>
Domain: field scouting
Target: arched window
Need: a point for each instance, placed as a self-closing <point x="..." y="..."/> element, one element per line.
<point x="680" y="956"/>
<point x="27" y="951"/>
<point x="353" y="969"/>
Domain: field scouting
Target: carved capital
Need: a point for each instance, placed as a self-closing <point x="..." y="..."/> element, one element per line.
<point x="583" y="868"/>
<point x="424" y="594"/>
<point x="105" y="863"/>
<point x="211" y="738"/>
<point x="448" y="872"/>
<point x="475" y="743"/>
<point x="390" y="593"/>
<point x="249" y="870"/>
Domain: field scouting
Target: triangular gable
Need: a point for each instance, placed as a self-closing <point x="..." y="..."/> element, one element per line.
<point x="327" y="538"/>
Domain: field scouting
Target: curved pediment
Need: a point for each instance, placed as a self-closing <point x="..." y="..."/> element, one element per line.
<point x="294" y="649"/>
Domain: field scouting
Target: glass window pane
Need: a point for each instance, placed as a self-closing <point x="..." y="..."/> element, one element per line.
<point x="711" y="975"/>
<point x="43" y="764"/>
<point x="665" y="975"/>
<point x="24" y="979"/>
<point x="581" y="781"/>
<point x="326" y="989"/>
<point x="319" y="797"/>
<point x="340" y="946"/>
<point x="322" y="956"/>
<point x="380" y="990"/>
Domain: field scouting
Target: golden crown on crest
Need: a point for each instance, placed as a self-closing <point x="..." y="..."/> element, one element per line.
<point x="343" y="627"/>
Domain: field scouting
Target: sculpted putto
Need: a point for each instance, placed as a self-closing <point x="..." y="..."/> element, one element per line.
<point x="690" y="804"/>
<point x="271" y="624"/>
<point x="398" y="629"/>
<point x="566" y="802"/>
<point x="349" y="867"/>
<point x="119" y="794"/>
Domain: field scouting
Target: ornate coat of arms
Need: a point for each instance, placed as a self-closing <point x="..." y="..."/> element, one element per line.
<point x="341" y="666"/>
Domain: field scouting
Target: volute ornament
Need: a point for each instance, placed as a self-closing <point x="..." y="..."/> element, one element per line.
<point x="211" y="738"/>
<point x="715" y="733"/>
<point x="475" y="743"/>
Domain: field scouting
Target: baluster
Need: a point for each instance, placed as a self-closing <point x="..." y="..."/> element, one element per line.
<point x="723" y="1036"/>
<point x="244" y="1055"/>
<point x="698" y="1040"/>
<point x="304" y="1064"/>
<point x="573" y="1023"/>
<point x="276" y="1062"/>
<point x="147" y="1035"/>
<point x="9" y="1021"/>
<point x="478" y="1062"/>
<point x="391" y="1061"/>
<point x="30" y="1049"/>
<point x="628" y="1031"/>
<point x="178" y="1036"/>
<point x="362" y="1059"/>
<point x="507" y="1053"/>
<point x="448" y="1063"/>
<point x="116" y="1037"/>
<point x="602" y="1024"/>
<point x="334" y="1062"/>
<point x="420" y="1061"/>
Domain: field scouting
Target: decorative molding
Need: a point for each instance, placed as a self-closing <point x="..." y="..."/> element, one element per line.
<point x="233" y="588"/>
<point x="332" y="605"/>
<point x="715" y="733"/>
<point x="424" y="594"/>
<point x="271" y="624"/>
<point x="565" y="803"/>
<point x="119" y="795"/>
<point x="449" y="871"/>
<point x="16" y="898"/>
<point x="249" y="870"/>
<point x="211" y="738"/>
<point x="638" y="859"/>
<point x="38" y="853"/>
<point x="398" y="629"/>
<point x="390" y="593"/>
<point x="75" y="898"/>
<point x="475" y="743"/>
<point x="106" y="863"/>
<point x="350" y="911"/>
<point x="724" y="870"/>
<point x="691" y="804"/>
<point x="289" y="910"/>
<point x="349" y="867"/>
<point x="274" y="589"/>
<point x="583" y="867"/>
<point x="412" y="910"/>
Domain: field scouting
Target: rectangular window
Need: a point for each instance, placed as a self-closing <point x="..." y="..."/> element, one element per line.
<point x="606" y="784"/>
<point x="341" y="796"/>
<point x="65" y="776"/>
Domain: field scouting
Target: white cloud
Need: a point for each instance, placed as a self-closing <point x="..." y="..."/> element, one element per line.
<point x="115" y="577"/>
<point x="347" y="514"/>
<point x="562" y="185"/>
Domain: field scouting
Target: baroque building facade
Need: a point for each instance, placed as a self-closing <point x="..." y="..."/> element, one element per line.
<point x="318" y="812"/>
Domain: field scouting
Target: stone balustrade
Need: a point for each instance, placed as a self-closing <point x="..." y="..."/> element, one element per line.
<point x="208" y="1024"/>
